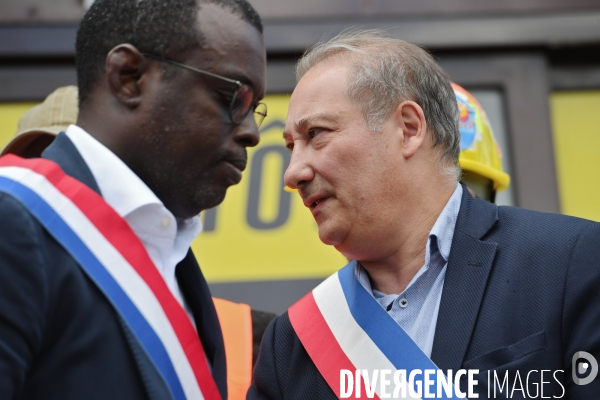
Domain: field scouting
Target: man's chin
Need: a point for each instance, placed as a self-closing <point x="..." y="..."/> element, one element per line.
<point x="211" y="201"/>
<point x="204" y="200"/>
<point x="330" y="235"/>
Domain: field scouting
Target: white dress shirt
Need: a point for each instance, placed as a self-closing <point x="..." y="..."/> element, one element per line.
<point x="166" y="241"/>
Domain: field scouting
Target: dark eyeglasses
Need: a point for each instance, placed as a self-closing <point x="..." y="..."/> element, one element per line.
<point x="242" y="101"/>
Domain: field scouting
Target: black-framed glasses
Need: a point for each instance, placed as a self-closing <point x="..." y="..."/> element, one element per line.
<point x="242" y="101"/>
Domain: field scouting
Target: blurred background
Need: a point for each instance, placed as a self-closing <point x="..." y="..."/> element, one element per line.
<point x="534" y="65"/>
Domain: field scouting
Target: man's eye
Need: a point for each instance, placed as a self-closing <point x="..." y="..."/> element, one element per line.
<point x="313" y="132"/>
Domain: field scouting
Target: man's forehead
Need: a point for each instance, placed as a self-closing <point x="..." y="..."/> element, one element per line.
<point x="319" y="98"/>
<point x="218" y="21"/>
<point x="232" y="45"/>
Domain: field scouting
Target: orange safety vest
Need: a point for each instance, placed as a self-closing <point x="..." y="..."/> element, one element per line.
<point x="236" y="325"/>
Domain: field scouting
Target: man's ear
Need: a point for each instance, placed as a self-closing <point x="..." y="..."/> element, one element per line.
<point x="412" y="126"/>
<point x="125" y="68"/>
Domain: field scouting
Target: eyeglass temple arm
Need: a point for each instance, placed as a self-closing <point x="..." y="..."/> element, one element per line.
<point x="192" y="68"/>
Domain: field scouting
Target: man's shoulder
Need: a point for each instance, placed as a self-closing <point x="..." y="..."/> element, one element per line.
<point x="284" y="368"/>
<point x="30" y="254"/>
<point x="548" y="224"/>
<point x="509" y="211"/>
<point x="16" y="221"/>
<point x="543" y="240"/>
<point x="45" y="303"/>
<point x="282" y="347"/>
<point x="282" y="335"/>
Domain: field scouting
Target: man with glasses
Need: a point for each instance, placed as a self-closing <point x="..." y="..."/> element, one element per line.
<point x="100" y="296"/>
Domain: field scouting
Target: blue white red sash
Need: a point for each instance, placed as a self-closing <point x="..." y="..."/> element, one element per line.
<point x="114" y="258"/>
<point x="342" y="327"/>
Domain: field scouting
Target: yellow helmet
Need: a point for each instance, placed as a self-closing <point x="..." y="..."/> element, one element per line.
<point x="479" y="151"/>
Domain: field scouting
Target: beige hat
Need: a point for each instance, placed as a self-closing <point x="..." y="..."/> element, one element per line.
<point x="54" y="115"/>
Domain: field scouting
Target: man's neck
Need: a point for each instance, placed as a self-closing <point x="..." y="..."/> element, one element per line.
<point x="392" y="273"/>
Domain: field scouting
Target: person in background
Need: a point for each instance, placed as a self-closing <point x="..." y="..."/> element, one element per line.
<point x="480" y="158"/>
<point x="100" y="295"/>
<point x="243" y="329"/>
<point x="439" y="279"/>
<point x="38" y="127"/>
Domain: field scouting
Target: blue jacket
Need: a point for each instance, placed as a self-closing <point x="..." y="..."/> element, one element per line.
<point x="522" y="293"/>
<point x="59" y="336"/>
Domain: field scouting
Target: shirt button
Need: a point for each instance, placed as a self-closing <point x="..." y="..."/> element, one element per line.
<point x="165" y="222"/>
<point x="403" y="302"/>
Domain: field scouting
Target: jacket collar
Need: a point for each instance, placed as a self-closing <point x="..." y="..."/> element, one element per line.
<point x="469" y="266"/>
<point x="63" y="152"/>
<point x="476" y="217"/>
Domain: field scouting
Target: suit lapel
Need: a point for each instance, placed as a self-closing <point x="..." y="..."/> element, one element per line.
<point x="197" y="296"/>
<point x="468" y="269"/>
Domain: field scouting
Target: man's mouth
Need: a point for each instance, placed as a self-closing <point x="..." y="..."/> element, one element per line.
<point x="237" y="163"/>
<point x="314" y="201"/>
<point x="234" y="166"/>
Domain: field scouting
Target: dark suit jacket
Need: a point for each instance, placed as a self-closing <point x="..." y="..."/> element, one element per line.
<point x="522" y="293"/>
<point x="59" y="336"/>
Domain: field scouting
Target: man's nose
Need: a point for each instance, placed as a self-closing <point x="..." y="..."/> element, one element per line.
<point x="299" y="171"/>
<point x="246" y="133"/>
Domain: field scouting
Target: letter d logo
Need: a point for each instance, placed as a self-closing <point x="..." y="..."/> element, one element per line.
<point x="583" y="367"/>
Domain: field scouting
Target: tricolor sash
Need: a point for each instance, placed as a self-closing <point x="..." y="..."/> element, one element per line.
<point x="115" y="259"/>
<point x="342" y="327"/>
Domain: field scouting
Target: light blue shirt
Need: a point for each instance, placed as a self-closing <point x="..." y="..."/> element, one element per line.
<point x="416" y="308"/>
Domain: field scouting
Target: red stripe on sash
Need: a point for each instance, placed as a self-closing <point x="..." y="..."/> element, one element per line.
<point x="320" y="344"/>
<point x="119" y="234"/>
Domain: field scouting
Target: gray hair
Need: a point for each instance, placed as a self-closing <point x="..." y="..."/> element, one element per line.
<point x="387" y="71"/>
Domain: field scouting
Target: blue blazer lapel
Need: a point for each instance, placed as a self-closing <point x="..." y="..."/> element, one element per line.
<point x="198" y="297"/>
<point x="467" y="273"/>
<point x="63" y="152"/>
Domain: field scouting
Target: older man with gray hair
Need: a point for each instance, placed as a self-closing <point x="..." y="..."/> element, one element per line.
<point x="440" y="281"/>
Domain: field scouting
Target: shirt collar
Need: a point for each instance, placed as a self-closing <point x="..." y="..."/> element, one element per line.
<point x="129" y="192"/>
<point x="443" y="229"/>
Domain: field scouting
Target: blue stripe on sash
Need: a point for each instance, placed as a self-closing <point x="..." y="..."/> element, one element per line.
<point x="96" y="271"/>
<point x="391" y="339"/>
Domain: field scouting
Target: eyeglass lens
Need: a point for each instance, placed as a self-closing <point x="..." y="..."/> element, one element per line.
<point x="242" y="104"/>
<point x="260" y="113"/>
